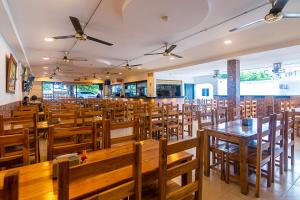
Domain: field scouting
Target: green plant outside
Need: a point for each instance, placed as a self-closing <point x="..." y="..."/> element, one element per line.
<point x="251" y="76"/>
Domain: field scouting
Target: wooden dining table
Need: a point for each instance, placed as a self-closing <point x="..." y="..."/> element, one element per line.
<point x="234" y="132"/>
<point x="35" y="181"/>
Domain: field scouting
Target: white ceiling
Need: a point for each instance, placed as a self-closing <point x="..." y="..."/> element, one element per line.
<point x="135" y="27"/>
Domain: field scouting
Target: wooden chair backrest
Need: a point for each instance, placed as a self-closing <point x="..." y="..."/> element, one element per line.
<point x="221" y="115"/>
<point x="278" y="132"/>
<point x="264" y="137"/>
<point x="172" y="114"/>
<point x="166" y="174"/>
<point x="88" y="116"/>
<point x="10" y="139"/>
<point x="187" y="113"/>
<point x="10" y="190"/>
<point x="80" y="143"/>
<point x="33" y="108"/>
<point x="19" y="122"/>
<point x="68" y="118"/>
<point x="289" y="124"/>
<point x="67" y="175"/>
<point x="18" y="113"/>
<point x="205" y="118"/>
<point x="134" y="136"/>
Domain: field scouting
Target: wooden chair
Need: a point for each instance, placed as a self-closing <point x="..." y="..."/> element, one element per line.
<point x="125" y="138"/>
<point x="28" y="122"/>
<point x="18" y="113"/>
<point x="14" y="156"/>
<point x="156" y="122"/>
<point x="168" y="189"/>
<point x="88" y="117"/>
<point x="10" y="189"/>
<point x="68" y="175"/>
<point x="260" y="156"/>
<point x="172" y="121"/>
<point x="33" y="108"/>
<point x="71" y="140"/>
<point x="221" y="115"/>
<point x="277" y="143"/>
<point x="289" y="138"/>
<point x="187" y="120"/>
<point x="66" y="119"/>
<point x="297" y="123"/>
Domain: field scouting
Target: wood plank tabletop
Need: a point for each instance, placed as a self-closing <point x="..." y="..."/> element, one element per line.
<point x="36" y="180"/>
<point x="236" y="129"/>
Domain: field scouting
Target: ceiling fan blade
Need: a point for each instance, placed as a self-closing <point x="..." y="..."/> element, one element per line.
<point x="137" y="65"/>
<point x="78" y="59"/>
<point x="64" y="37"/>
<point x="278" y="6"/>
<point x="246" y="25"/>
<point x="99" y="41"/>
<point x="177" y="56"/>
<point x="171" y="48"/>
<point x="291" y="15"/>
<point x="151" y="54"/>
<point x="77" y="25"/>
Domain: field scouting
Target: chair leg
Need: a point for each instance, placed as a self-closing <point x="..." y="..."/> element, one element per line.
<point x="227" y="174"/>
<point x="292" y="155"/>
<point x="270" y="173"/>
<point x="257" y="185"/>
<point x="222" y="166"/>
<point x="281" y="163"/>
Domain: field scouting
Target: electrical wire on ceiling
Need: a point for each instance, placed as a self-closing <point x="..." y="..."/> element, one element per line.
<point x="201" y="31"/>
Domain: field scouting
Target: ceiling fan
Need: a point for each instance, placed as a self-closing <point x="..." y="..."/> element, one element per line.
<point x="129" y="67"/>
<point x="167" y="52"/>
<point x="66" y="59"/>
<point x="80" y="35"/>
<point x="274" y="15"/>
<point x="95" y="77"/>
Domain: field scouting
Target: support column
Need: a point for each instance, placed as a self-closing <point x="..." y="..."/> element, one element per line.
<point x="233" y="86"/>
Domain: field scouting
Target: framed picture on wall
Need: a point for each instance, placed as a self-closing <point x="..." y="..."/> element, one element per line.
<point x="11" y="74"/>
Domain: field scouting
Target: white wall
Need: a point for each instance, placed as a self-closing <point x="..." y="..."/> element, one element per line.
<point x="208" y="79"/>
<point x="6" y="98"/>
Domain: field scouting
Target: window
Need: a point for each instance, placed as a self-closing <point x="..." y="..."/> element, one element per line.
<point x="52" y="90"/>
<point x="205" y="92"/>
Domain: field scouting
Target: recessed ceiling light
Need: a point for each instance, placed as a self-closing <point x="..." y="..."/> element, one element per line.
<point x="49" y="39"/>
<point x="120" y="73"/>
<point x="45" y="68"/>
<point x="46" y="58"/>
<point x="139" y="67"/>
<point x="172" y="58"/>
<point x="227" y="42"/>
<point x="107" y="76"/>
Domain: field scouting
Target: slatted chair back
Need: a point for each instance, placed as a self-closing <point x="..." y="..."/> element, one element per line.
<point x="289" y="137"/>
<point x="18" y="113"/>
<point x="187" y="119"/>
<point x="33" y="108"/>
<point x="277" y="142"/>
<point x="89" y="116"/>
<point x="205" y="118"/>
<point x="118" y="113"/>
<point x="71" y="140"/>
<point x="126" y="137"/>
<point x="263" y="149"/>
<point x="10" y="189"/>
<point x="133" y="187"/>
<point x="166" y="174"/>
<point x="28" y="122"/>
<point x="221" y="115"/>
<point x="67" y="119"/>
<point x="172" y="120"/>
<point x="156" y="121"/>
<point x="14" y="156"/>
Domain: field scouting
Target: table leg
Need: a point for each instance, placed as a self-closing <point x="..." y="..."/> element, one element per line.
<point x="285" y="150"/>
<point x="206" y="154"/>
<point x="244" y="167"/>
